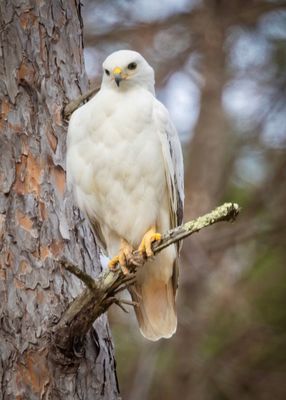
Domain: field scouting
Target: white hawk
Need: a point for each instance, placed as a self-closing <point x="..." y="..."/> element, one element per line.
<point x="125" y="169"/>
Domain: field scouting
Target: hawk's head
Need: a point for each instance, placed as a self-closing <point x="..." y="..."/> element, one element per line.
<point x="125" y="69"/>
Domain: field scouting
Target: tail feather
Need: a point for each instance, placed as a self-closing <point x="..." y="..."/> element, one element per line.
<point x="155" y="312"/>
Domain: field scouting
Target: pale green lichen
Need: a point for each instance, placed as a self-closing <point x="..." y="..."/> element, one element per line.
<point x="227" y="211"/>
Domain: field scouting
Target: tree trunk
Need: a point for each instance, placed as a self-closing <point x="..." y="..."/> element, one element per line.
<point x="42" y="70"/>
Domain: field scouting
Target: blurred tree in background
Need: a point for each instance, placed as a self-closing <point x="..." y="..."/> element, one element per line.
<point x="221" y="71"/>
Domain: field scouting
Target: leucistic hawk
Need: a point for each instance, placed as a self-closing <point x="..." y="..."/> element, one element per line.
<point x="125" y="169"/>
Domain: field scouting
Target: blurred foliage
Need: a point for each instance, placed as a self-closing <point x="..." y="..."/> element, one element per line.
<point x="220" y="69"/>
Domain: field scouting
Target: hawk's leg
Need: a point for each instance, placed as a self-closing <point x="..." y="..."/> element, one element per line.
<point x="124" y="257"/>
<point x="150" y="237"/>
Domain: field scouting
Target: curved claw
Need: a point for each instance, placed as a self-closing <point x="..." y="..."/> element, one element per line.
<point x="113" y="262"/>
<point x="150" y="237"/>
<point x="123" y="258"/>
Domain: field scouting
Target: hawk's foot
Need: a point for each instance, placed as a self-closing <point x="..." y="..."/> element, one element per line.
<point x="150" y="237"/>
<point x="124" y="257"/>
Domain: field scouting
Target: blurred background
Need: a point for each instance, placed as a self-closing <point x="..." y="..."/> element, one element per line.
<point x="221" y="71"/>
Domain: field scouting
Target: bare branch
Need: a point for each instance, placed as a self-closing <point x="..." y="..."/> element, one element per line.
<point x="226" y="212"/>
<point x="74" y="104"/>
<point x="85" y="278"/>
<point x="100" y="293"/>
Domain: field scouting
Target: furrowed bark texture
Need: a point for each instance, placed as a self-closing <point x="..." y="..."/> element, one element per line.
<point x="41" y="70"/>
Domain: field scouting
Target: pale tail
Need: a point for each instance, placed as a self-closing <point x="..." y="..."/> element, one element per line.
<point x="156" y="312"/>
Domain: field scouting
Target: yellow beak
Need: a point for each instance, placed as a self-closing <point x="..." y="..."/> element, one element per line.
<point x="117" y="73"/>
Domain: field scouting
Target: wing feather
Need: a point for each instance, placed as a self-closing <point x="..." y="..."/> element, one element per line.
<point x="174" y="169"/>
<point x="173" y="159"/>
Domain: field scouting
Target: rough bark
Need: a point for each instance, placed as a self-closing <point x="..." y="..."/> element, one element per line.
<point x="41" y="70"/>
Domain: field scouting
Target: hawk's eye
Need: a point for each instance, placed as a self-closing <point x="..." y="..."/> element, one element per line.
<point x="107" y="72"/>
<point x="132" y="65"/>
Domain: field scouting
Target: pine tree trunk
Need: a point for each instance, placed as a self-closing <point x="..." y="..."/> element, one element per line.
<point x="41" y="69"/>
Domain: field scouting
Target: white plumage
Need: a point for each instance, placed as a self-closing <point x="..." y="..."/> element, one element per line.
<point x="124" y="166"/>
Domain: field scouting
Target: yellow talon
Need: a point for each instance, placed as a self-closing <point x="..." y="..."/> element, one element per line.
<point x="157" y="236"/>
<point x="113" y="262"/>
<point x="150" y="237"/>
<point x="123" y="257"/>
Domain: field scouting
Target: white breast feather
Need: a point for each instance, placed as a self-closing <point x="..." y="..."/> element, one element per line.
<point x="115" y="163"/>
